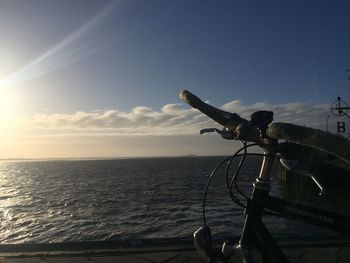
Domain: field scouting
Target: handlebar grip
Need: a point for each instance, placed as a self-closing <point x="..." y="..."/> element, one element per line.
<point x="227" y="119"/>
<point x="331" y="143"/>
<point x="190" y="99"/>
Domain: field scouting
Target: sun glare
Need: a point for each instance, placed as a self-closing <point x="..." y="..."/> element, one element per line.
<point x="7" y="108"/>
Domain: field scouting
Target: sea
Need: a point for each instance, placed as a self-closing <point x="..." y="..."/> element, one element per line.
<point x="49" y="201"/>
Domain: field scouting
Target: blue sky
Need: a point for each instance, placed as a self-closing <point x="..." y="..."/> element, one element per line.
<point x="65" y="57"/>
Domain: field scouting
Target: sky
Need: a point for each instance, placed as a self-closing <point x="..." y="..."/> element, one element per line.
<point x="101" y="78"/>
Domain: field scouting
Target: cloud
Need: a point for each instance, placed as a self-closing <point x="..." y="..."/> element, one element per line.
<point x="172" y="130"/>
<point x="297" y="113"/>
<point x="171" y="119"/>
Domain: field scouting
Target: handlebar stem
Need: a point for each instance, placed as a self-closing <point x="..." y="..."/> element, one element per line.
<point x="264" y="179"/>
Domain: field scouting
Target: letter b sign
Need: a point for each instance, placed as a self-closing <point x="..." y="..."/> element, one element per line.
<point x="341" y="127"/>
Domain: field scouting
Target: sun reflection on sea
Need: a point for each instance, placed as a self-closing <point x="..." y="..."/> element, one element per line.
<point x="12" y="200"/>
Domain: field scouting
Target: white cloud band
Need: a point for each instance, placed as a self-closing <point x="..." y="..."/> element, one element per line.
<point x="172" y="119"/>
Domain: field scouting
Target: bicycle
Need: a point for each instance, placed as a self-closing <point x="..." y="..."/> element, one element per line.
<point x="256" y="243"/>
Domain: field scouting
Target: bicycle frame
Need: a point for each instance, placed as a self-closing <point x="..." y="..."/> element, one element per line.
<point x="256" y="236"/>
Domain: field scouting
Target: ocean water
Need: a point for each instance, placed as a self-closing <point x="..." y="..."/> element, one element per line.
<point x="80" y="200"/>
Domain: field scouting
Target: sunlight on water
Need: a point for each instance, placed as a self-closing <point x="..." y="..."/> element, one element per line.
<point x="61" y="201"/>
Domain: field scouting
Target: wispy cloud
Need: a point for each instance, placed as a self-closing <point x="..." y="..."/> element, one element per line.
<point x="172" y="119"/>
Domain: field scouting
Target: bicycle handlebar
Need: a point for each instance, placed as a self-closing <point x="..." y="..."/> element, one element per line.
<point x="227" y="119"/>
<point x="320" y="140"/>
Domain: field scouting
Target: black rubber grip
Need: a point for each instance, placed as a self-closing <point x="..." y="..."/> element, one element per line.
<point x="227" y="119"/>
<point x="334" y="144"/>
<point x="190" y="99"/>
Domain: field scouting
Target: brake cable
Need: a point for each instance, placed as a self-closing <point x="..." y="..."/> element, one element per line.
<point x="235" y="176"/>
<point x="229" y="160"/>
<point x="207" y="187"/>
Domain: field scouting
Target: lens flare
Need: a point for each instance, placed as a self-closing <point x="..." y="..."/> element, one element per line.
<point x="70" y="49"/>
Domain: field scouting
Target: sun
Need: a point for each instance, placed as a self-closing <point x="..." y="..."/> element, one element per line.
<point x="7" y="107"/>
<point x="9" y="120"/>
<point x="4" y="103"/>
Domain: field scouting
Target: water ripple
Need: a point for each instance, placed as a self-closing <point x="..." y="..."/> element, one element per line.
<point x="61" y="201"/>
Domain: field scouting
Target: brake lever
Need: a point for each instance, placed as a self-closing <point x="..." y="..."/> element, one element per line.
<point x="294" y="166"/>
<point x="224" y="133"/>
